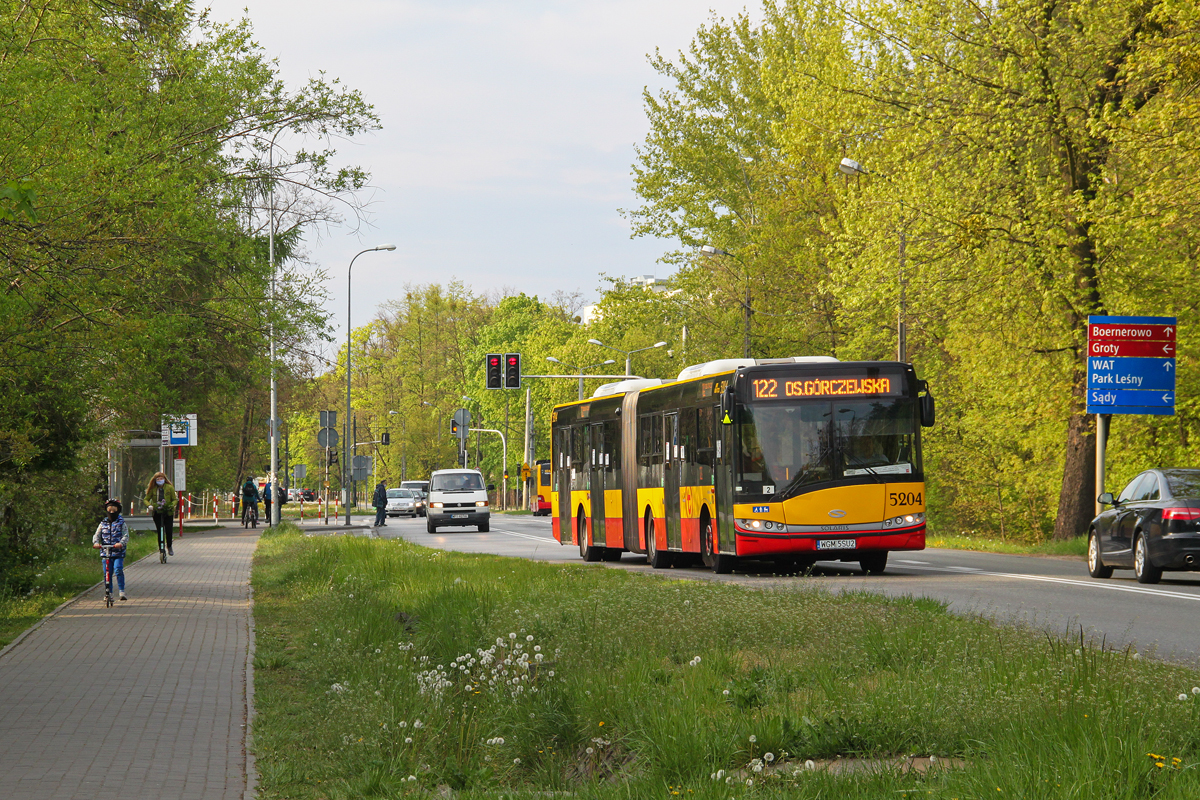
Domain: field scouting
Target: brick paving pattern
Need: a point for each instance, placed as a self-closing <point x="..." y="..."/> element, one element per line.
<point x="143" y="700"/>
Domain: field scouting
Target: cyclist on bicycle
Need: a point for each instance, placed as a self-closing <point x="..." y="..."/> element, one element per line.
<point x="250" y="500"/>
<point x="111" y="538"/>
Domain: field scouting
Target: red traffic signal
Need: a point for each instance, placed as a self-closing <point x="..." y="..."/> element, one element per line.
<point x="494" y="370"/>
<point x="512" y="371"/>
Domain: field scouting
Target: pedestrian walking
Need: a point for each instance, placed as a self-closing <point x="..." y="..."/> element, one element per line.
<point x="160" y="499"/>
<point x="379" y="500"/>
<point x="266" y="496"/>
<point x="111" y="538"/>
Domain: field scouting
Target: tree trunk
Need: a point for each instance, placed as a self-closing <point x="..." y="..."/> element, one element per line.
<point x="1077" y="499"/>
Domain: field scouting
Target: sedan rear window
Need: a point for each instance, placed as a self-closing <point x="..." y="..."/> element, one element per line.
<point x="456" y="482"/>
<point x="1183" y="482"/>
<point x="393" y="493"/>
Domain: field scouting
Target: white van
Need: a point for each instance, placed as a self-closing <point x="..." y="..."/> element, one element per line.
<point x="457" y="497"/>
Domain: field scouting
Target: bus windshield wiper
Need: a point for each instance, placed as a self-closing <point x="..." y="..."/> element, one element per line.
<point x="798" y="481"/>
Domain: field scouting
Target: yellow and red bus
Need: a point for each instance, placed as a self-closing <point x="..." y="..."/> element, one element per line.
<point x="542" y="480"/>
<point x="792" y="460"/>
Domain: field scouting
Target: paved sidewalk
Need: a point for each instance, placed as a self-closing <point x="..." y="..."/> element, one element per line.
<point x="147" y="699"/>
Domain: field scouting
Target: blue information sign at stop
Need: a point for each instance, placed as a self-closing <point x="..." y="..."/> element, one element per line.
<point x="1119" y="384"/>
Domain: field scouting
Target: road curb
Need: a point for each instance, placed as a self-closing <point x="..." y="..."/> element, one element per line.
<point x="251" y="770"/>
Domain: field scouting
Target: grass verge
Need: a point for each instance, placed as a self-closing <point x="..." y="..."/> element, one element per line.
<point x="384" y="669"/>
<point x="1065" y="547"/>
<point x="76" y="568"/>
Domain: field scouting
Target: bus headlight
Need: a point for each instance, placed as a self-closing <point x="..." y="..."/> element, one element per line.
<point x="435" y="505"/>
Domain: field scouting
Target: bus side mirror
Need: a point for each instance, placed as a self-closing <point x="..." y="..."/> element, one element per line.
<point x="491" y="487"/>
<point x="727" y="407"/>
<point x="1106" y="499"/>
<point x="927" y="410"/>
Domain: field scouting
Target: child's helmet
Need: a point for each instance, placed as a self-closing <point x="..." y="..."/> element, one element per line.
<point x="113" y="502"/>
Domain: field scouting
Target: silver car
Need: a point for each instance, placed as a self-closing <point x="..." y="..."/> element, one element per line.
<point x="404" y="502"/>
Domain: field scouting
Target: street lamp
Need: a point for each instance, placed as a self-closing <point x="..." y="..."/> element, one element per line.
<point x="627" y="353"/>
<point x="275" y="507"/>
<point x="852" y="168"/>
<point x="709" y="250"/>
<point x="554" y="360"/>
<point x="347" y="469"/>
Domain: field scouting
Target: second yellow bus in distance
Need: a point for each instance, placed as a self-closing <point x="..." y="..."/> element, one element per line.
<point x="791" y="460"/>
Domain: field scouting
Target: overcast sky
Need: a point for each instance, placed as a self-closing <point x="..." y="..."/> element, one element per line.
<point x="508" y="133"/>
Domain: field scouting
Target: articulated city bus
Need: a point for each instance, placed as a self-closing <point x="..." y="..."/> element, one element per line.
<point x="791" y="460"/>
<point x="542" y="504"/>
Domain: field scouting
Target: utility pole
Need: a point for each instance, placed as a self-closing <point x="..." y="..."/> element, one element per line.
<point x="525" y="450"/>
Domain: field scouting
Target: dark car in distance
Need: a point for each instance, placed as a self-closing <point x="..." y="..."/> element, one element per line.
<point x="1153" y="526"/>
<point x="308" y="495"/>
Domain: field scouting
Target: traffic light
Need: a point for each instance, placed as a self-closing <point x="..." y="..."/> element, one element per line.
<point x="454" y="427"/>
<point x="333" y="457"/>
<point x="512" y="371"/>
<point x="385" y="438"/>
<point x="495" y="371"/>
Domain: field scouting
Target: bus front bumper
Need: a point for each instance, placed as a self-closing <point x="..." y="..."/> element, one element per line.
<point x="829" y="546"/>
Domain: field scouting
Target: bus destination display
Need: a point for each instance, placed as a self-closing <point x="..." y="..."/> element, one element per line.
<point x="840" y="386"/>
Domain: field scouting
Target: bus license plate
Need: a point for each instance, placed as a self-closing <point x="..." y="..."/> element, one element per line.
<point x="836" y="544"/>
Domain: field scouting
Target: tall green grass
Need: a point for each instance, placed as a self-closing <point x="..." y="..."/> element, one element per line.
<point x="648" y="686"/>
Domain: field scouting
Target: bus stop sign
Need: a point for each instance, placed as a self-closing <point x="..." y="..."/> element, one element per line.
<point x="1131" y="365"/>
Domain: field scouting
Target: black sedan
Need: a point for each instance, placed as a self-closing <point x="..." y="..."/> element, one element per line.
<point x="1153" y="525"/>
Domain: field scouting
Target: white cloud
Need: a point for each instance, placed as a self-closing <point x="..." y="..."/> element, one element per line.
<point x="508" y="132"/>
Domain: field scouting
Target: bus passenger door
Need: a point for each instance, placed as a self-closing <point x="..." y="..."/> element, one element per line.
<point x="723" y="471"/>
<point x="562" y="470"/>
<point x="596" y="483"/>
<point x="671" y="469"/>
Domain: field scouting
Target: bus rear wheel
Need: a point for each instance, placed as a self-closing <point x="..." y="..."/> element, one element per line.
<point x="585" y="552"/>
<point x="656" y="558"/>
<point x="873" y="563"/>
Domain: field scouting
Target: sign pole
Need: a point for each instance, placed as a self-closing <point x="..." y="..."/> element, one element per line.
<point x="179" y="457"/>
<point x="1102" y="421"/>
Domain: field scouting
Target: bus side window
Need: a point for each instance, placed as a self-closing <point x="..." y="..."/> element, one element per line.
<point x="645" y="441"/>
<point x="656" y="439"/>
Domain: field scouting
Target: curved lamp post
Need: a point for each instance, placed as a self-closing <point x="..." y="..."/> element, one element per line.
<point x="554" y="360"/>
<point x="626" y="353"/>
<point x="853" y="169"/>
<point x="347" y="471"/>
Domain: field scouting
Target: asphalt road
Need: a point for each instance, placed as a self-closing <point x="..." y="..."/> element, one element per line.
<point x="1055" y="594"/>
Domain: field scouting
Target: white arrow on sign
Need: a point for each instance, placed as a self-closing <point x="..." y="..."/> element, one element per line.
<point x="1166" y="398"/>
<point x="1168" y="366"/>
<point x="1167" y="348"/>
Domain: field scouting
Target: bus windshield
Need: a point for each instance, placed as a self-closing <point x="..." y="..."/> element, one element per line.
<point x="787" y="447"/>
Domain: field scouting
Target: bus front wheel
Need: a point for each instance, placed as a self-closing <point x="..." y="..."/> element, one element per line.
<point x="656" y="558"/>
<point x="873" y="563"/>
<point x="718" y="562"/>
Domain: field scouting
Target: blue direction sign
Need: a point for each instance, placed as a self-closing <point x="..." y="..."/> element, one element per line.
<point x="1130" y="385"/>
<point x="1153" y="374"/>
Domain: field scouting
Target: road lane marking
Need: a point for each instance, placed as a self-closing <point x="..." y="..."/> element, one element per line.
<point x="1070" y="581"/>
<point x="525" y="535"/>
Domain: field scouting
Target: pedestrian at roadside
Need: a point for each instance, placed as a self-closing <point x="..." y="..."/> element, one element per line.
<point x="160" y="499"/>
<point x="379" y="500"/>
<point x="113" y="533"/>
<point x="267" y="495"/>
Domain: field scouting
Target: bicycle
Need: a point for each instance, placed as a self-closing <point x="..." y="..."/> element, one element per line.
<point x="249" y="515"/>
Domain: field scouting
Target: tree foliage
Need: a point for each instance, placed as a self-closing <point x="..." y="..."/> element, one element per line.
<point x="137" y="154"/>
